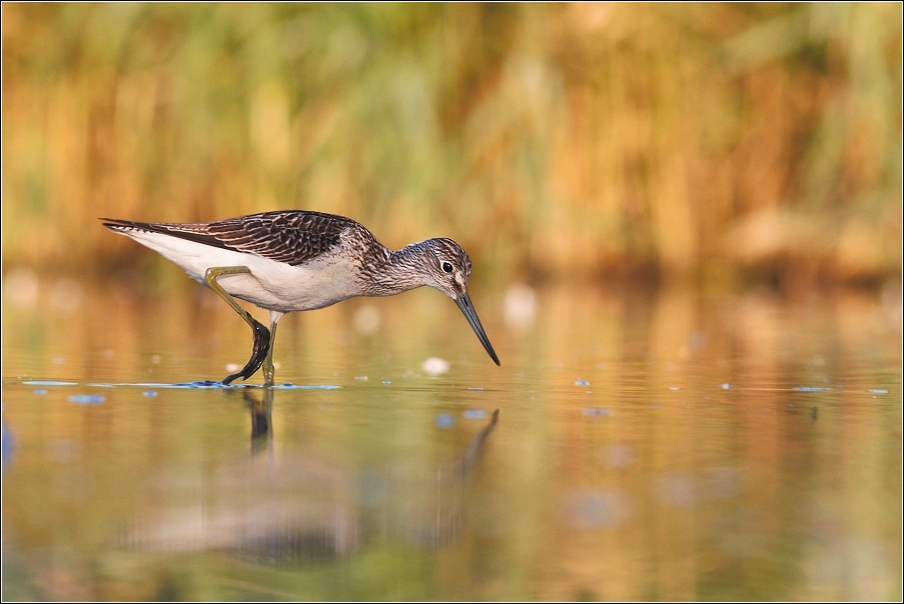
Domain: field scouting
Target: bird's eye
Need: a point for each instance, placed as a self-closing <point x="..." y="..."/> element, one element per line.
<point x="447" y="266"/>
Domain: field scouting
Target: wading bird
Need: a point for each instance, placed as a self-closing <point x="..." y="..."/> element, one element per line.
<point x="293" y="260"/>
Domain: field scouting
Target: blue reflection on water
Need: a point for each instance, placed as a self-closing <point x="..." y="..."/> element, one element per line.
<point x="7" y="445"/>
<point x="444" y="420"/>
<point x="87" y="399"/>
<point x="203" y="384"/>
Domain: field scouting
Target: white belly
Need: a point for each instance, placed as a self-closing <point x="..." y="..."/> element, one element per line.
<point x="270" y="285"/>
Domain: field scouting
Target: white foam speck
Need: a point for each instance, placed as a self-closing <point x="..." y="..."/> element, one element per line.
<point x="435" y="366"/>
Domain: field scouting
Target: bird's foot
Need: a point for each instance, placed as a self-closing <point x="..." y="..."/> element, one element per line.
<point x="261" y="347"/>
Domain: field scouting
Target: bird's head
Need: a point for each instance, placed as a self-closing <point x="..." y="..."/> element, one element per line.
<point x="447" y="269"/>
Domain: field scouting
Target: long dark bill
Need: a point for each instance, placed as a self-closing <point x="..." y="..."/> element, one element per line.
<point x="464" y="303"/>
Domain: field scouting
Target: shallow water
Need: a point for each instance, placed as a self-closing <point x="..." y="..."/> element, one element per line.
<point x="654" y="446"/>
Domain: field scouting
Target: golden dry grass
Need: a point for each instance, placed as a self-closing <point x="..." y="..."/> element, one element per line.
<point x="704" y="141"/>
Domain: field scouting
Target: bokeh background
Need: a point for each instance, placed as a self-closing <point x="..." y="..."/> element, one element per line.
<point x="716" y="144"/>
<point x="685" y="221"/>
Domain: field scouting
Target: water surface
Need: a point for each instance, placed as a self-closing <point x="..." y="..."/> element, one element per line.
<point x="647" y="446"/>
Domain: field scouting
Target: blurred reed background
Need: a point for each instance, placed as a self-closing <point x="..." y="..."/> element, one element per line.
<point x="716" y="143"/>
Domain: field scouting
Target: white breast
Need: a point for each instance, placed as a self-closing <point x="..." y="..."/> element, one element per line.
<point x="270" y="285"/>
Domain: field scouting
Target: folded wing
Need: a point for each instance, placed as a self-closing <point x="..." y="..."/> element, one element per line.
<point x="291" y="237"/>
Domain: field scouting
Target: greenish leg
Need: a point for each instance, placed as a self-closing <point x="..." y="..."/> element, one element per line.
<point x="269" y="371"/>
<point x="262" y="337"/>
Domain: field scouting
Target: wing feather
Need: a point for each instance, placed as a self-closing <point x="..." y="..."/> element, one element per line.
<point x="292" y="237"/>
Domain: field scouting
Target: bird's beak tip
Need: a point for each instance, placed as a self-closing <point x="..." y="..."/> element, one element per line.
<point x="464" y="303"/>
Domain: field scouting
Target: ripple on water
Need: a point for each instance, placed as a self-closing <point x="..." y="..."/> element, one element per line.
<point x="202" y="384"/>
<point x="87" y="399"/>
<point x="284" y="386"/>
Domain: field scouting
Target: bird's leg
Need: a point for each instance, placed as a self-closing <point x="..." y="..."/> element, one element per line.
<point x="262" y="337"/>
<point x="275" y="316"/>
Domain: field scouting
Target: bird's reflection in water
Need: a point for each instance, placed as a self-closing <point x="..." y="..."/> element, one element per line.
<point x="261" y="427"/>
<point x="303" y="506"/>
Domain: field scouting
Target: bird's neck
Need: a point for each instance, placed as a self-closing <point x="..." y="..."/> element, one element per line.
<point x="402" y="270"/>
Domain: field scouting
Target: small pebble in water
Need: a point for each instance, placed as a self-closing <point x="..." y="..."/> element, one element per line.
<point x="582" y="383"/>
<point x="726" y="386"/>
<point x="444" y="420"/>
<point x="475" y="414"/>
<point x="40" y="391"/>
<point x="86" y="399"/>
<point x="150" y="393"/>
